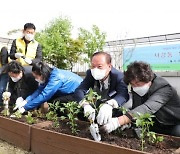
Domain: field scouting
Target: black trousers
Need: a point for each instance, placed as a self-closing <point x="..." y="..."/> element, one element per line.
<point x="4" y="56"/>
<point x="173" y="130"/>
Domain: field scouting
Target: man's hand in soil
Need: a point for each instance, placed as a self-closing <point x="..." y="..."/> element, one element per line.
<point x="112" y="125"/>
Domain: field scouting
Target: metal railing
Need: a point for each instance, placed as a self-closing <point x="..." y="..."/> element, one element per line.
<point x="115" y="48"/>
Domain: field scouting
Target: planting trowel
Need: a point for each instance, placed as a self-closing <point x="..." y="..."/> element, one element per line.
<point x="94" y="130"/>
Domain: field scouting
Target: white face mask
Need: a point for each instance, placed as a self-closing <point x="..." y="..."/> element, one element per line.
<point x="98" y="74"/>
<point x="141" y="91"/>
<point x="40" y="81"/>
<point x="15" y="79"/>
<point x="29" y="37"/>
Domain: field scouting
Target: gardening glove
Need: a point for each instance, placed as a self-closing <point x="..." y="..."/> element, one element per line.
<point x="6" y="95"/>
<point x="105" y="114"/>
<point x="18" y="55"/>
<point x="112" y="125"/>
<point x="28" y="61"/>
<point x="20" y="102"/>
<point x="21" y="110"/>
<point x="89" y="112"/>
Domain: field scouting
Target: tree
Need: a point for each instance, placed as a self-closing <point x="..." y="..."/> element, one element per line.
<point x="93" y="41"/>
<point x="59" y="48"/>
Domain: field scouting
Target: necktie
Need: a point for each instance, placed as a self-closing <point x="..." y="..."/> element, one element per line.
<point x="102" y="86"/>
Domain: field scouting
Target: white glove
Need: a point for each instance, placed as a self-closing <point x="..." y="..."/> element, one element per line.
<point x="18" y="55"/>
<point x="20" y="102"/>
<point x="113" y="103"/>
<point x="21" y="110"/>
<point x="105" y="114"/>
<point x="28" y="61"/>
<point x="6" y="95"/>
<point x="112" y="125"/>
<point x="89" y="112"/>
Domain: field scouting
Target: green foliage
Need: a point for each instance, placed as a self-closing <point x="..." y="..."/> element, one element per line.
<point x="29" y="118"/>
<point x="18" y="114"/>
<point x="153" y="138"/>
<point x="144" y="121"/>
<point x="52" y="114"/>
<point x="72" y="109"/>
<point x="38" y="113"/>
<point x="93" y="41"/>
<point x="59" y="48"/>
<point x="92" y="96"/>
<point x="5" y="112"/>
<point x="123" y="110"/>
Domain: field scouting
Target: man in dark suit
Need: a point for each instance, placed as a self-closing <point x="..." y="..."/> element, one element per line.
<point x="108" y="83"/>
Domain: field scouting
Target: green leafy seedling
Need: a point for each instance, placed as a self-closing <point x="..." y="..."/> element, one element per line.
<point x="29" y="118"/>
<point x="18" y="114"/>
<point x="52" y="114"/>
<point x="72" y="109"/>
<point x="144" y="121"/>
<point x="5" y="112"/>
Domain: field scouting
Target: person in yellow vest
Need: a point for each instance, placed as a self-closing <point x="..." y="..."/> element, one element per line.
<point x="25" y="50"/>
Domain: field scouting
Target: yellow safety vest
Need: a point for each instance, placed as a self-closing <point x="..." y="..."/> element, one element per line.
<point x="31" y="49"/>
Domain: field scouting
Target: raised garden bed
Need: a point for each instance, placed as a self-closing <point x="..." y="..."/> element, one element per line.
<point x="15" y="132"/>
<point x="43" y="138"/>
<point x="46" y="139"/>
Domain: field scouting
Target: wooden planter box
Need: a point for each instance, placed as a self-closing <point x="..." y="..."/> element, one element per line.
<point x="15" y="132"/>
<point x="49" y="142"/>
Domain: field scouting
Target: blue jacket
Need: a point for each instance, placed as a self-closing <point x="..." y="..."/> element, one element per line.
<point x="117" y="85"/>
<point x="60" y="83"/>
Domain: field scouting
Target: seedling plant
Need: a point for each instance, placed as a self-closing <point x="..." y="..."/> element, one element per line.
<point x="29" y="118"/>
<point x="144" y="121"/>
<point x="92" y="97"/>
<point x="71" y="109"/>
<point x="52" y="114"/>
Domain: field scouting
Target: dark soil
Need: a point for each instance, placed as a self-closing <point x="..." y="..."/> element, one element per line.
<point x="127" y="138"/>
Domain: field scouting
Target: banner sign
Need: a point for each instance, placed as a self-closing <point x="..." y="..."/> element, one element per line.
<point x="161" y="57"/>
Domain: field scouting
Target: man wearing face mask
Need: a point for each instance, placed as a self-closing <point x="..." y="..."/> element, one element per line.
<point x="150" y="94"/>
<point x="25" y="50"/>
<point x="108" y="83"/>
<point x="21" y="81"/>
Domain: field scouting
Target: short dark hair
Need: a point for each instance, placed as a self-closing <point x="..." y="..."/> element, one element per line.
<point x="41" y="68"/>
<point x="108" y="56"/>
<point x="140" y="71"/>
<point x="29" y="26"/>
<point x="14" y="67"/>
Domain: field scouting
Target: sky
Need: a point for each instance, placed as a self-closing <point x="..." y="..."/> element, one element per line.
<point x="119" y="19"/>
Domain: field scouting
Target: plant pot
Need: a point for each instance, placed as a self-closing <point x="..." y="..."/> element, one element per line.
<point x="50" y="142"/>
<point x="15" y="132"/>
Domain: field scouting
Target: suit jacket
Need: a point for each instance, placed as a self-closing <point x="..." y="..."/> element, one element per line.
<point x="161" y="100"/>
<point x="117" y="85"/>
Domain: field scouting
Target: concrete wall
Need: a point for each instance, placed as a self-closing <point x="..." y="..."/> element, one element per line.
<point x="173" y="78"/>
